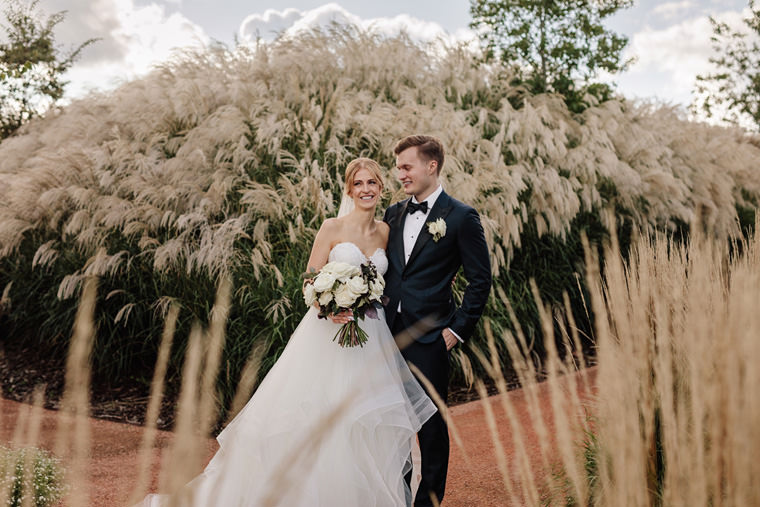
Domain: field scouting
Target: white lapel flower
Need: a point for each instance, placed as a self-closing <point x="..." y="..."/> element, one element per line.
<point x="437" y="229"/>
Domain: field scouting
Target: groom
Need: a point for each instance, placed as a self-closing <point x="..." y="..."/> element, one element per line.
<point x="431" y="236"/>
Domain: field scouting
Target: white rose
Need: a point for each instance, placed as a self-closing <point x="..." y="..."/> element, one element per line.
<point x="324" y="281"/>
<point x="344" y="296"/>
<point x="330" y="267"/>
<point x="309" y="294"/>
<point x="325" y="298"/>
<point x="376" y="289"/>
<point x="341" y="270"/>
<point x="437" y="229"/>
<point x="357" y="285"/>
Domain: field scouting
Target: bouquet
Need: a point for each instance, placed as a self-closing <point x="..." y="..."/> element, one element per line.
<point x="339" y="287"/>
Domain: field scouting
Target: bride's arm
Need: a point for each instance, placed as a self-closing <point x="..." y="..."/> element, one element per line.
<point x="320" y="250"/>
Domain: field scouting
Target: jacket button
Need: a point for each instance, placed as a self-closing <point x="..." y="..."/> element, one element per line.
<point x="403" y="277"/>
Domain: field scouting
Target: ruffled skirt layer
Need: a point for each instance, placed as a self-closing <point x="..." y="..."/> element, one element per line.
<point x="328" y="426"/>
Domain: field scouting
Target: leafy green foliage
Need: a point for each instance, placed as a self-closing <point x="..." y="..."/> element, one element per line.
<point x="31" y="65"/>
<point x="732" y="92"/>
<point x="551" y="43"/>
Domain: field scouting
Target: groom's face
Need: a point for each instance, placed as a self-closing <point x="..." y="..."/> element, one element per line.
<point x="417" y="175"/>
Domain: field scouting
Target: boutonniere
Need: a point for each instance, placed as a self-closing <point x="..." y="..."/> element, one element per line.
<point x="437" y="229"/>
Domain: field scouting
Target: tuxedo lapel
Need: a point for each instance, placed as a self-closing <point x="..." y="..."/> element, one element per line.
<point x="397" y="229"/>
<point x="440" y="209"/>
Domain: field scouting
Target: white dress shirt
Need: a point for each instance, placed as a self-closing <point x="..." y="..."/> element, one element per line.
<point x="413" y="224"/>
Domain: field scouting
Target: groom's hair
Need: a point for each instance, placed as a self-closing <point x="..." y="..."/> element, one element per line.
<point x="428" y="147"/>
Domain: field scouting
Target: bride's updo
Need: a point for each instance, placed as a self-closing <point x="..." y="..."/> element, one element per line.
<point x="362" y="163"/>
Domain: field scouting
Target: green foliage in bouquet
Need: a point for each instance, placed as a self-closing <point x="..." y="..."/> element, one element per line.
<point x="223" y="163"/>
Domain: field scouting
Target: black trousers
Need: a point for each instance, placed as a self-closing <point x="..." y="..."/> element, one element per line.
<point x="432" y="359"/>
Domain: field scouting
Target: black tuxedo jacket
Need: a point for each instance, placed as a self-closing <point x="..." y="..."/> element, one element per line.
<point x="423" y="285"/>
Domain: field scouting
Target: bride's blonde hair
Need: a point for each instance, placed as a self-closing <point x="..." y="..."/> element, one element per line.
<point x="362" y="163"/>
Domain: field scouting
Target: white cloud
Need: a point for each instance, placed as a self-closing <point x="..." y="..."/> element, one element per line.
<point x="290" y="21"/>
<point x="670" y="10"/>
<point x="132" y="39"/>
<point x="679" y="52"/>
<point x="268" y="25"/>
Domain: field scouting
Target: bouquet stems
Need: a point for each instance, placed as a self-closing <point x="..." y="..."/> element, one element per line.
<point x="351" y="335"/>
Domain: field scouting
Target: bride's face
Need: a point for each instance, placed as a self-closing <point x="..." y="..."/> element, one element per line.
<point x="365" y="189"/>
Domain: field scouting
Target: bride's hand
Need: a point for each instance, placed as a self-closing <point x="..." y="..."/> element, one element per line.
<point x="342" y="317"/>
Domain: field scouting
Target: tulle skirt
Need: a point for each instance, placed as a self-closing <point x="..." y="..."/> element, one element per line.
<point x="328" y="426"/>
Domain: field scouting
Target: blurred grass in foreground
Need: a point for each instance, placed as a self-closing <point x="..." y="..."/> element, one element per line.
<point x="673" y="422"/>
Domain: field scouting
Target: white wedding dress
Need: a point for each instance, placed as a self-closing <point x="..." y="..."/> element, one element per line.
<point x="328" y="426"/>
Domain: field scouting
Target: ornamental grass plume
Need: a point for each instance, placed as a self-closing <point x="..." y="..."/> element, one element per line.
<point x="680" y="341"/>
<point x="275" y="122"/>
<point x="672" y="418"/>
<point x="673" y="411"/>
<point x="223" y="162"/>
<point x="73" y="438"/>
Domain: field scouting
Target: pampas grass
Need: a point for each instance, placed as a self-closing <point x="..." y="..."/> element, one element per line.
<point x="673" y="418"/>
<point x="681" y="324"/>
<point x="221" y="164"/>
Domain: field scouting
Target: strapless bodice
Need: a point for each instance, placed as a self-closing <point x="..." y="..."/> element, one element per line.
<point x="351" y="254"/>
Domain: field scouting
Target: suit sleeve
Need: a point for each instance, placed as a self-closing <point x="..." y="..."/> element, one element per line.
<point x="476" y="263"/>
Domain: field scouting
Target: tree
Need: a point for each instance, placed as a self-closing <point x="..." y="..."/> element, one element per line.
<point x="732" y="92"/>
<point x="31" y="65"/>
<point x="551" y="43"/>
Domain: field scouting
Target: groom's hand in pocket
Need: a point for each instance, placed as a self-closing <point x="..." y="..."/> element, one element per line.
<point x="342" y="317"/>
<point x="450" y="339"/>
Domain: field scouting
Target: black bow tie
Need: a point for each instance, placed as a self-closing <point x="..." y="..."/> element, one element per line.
<point x="414" y="207"/>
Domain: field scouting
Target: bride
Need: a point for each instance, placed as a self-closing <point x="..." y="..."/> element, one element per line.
<point x="328" y="426"/>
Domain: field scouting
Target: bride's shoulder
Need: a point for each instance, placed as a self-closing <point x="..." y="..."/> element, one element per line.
<point x="331" y="224"/>
<point x="330" y="229"/>
<point x="383" y="228"/>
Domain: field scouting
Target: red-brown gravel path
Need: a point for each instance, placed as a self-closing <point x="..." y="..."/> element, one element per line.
<point x="115" y="448"/>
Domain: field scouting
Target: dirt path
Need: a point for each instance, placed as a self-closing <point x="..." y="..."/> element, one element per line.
<point x="474" y="484"/>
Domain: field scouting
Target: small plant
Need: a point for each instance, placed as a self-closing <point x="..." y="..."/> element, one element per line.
<point x="591" y="454"/>
<point x="560" y="488"/>
<point x="30" y="471"/>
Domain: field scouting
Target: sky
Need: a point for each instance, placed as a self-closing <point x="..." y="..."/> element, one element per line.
<point x="670" y="40"/>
